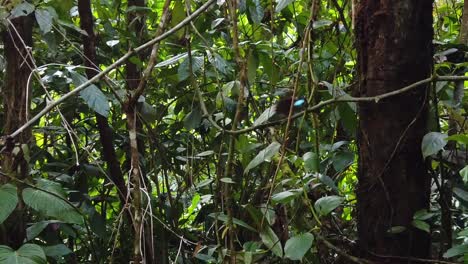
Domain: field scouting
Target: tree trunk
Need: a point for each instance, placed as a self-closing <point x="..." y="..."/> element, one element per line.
<point x="394" y="50"/>
<point x="16" y="103"/>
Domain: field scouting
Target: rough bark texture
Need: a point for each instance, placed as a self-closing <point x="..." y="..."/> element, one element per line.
<point x="16" y="103"/>
<point x="394" y="50"/>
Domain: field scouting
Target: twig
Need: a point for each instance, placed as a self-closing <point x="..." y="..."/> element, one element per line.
<point x="341" y="252"/>
<point x="119" y="62"/>
<point x="376" y="99"/>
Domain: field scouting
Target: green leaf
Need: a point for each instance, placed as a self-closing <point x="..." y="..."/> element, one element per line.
<point x="172" y="60"/>
<point x="193" y="119"/>
<point x="286" y="196"/>
<point x="148" y="112"/>
<point x="205" y="153"/>
<point x="342" y="160"/>
<point x="456" y="251"/>
<point x="92" y="95"/>
<point x="22" y="9"/>
<point x="224" y="218"/>
<point x="396" y="229"/>
<point x="183" y="70"/>
<point x="51" y="205"/>
<point x="282" y="4"/>
<point x="311" y="162"/>
<point x="421" y="225"/>
<point x="44" y="20"/>
<point x="464" y="174"/>
<point x="56" y="250"/>
<point x="34" y="230"/>
<point x="26" y="254"/>
<point x="321" y="23"/>
<point x="460" y="194"/>
<point x="8" y="201"/>
<point x="296" y="247"/>
<point x="422" y="215"/>
<point x="463" y="232"/>
<point x="227" y="180"/>
<point x="265" y="116"/>
<point x="255" y="11"/>
<point x="271" y="241"/>
<point x="459" y="138"/>
<point x="327" y="204"/>
<point x="264" y="155"/>
<point x="432" y="143"/>
<point x="328" y="182"/>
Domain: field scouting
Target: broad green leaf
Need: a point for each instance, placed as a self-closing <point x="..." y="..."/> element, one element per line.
<point x="92" y="95"/>
<point x="56" y="250"/>
<point x="327" y="204"/>
<point x="224" y="218"/>
<point x="148" y="112"/>
<point x="44" y="20"/>
<point x="172" y="60"/>
<point x="255" y="10"/>
<point x="342" y="160"/>
<point x="193" y="119"/>
<point x="286" y="196"/>
<point x="460" y="194"/>
<point x="22" y="9"/>
<point x="271" y="241"/>
<point x="311" y="162"/>
<point x="456" y="251"/>
<point x="183" y="70"/>
<point x="296" y="247"/>
<point x="421" y="225"/>
<point x="263" y="156"/>
<point x="328" y="182"/>
<point x="265" y="116"/>
<point x="269" y="213"/>
<point x="464" y="232"/>
<point x="432" y="143"/>
<point x="8" y="201"/>
<point x="462" y="139"/>
<point x="51" y="205"/>
<point x="26" y="254"/>
<point x="422" y="215"/>
<point x="281" y="4"/>
<point x="34" y="230"/>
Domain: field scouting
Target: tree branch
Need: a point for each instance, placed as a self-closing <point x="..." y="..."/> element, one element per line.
<point x="119" y="62"/>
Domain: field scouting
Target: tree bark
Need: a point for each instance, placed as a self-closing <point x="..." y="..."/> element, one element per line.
<point x="106" y="135"/>
<point x="394" y="49"/>
<point x="17" y="40"/>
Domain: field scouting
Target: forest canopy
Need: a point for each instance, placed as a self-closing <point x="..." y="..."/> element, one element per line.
<point x="233" y="131"/>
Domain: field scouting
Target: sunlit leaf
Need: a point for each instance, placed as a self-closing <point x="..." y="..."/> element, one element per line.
<point x="281" y="4"/>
